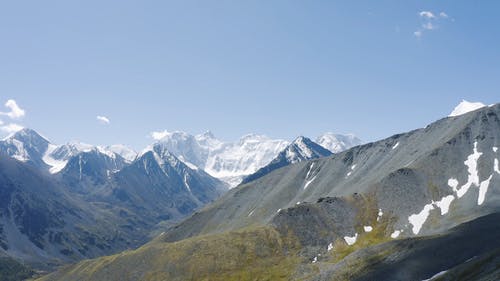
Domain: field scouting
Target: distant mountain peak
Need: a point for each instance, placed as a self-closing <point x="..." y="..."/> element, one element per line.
<point x="337" y="142"/>
<point x="28" y="135"/>
<point x="303" y="148"/>
<point x="465" y="107"/>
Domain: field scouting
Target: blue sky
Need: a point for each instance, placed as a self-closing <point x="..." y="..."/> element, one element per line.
<point x="280" y="68"/>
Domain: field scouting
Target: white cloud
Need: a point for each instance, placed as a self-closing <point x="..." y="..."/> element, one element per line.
<point x="103" y="119"/>
<point x="427" y="14"/>
<point x="429" y="21"/>
<point x="15" y="111"/>
<point x="159" y="135"/>
<point x="11" y="128"/>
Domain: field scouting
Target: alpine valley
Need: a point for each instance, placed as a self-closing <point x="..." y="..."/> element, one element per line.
<point x="64" y="203"/>
<point x="421" y="205"/>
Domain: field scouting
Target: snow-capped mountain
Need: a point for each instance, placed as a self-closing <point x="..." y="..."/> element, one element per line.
<point x="25" y="145"/>
<point x="465" y="107"/>
<point x="29" y="146"/>
<point x="158" y="186"/>
<point x="228" y="161"/>
<point x="337" y="143"/>
<point x="301" y="149"/>
<point x="420" y="205"/>
<point x="124" y="151"/>
<point x="233" y="161"/>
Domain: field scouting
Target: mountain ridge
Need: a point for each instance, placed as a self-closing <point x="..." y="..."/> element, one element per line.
<point x="374" y="203"/>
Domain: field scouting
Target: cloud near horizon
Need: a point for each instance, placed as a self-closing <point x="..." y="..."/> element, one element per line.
<point x="15" y="112"/>
<point x="11" y="128"/>
<point x="159" y="135"/>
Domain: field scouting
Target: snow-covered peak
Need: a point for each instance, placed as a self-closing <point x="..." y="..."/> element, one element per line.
<point x="208" y="141"/>
<point x="80" y="146"/>
<point x="124" y="151"/>
<point x="253" y="138"/>
<point x="465" y="107"/>
<point x="336" y="142"/>
<point x="25" y="145"/>
<point x="166" y="136"/>
<point x="303" y="144"/>
<point x="303" y="148"/>
<point x="27" y="133"/>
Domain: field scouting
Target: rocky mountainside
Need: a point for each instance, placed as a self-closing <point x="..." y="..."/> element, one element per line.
<point x="65" y="203"/>
<point x="429" y="197"/>
<point x="42" y="224"/>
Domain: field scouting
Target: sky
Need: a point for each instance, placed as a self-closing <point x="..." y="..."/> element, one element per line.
<point x="105" y="72"/>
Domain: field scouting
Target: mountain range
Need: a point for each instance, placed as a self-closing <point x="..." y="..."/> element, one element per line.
<point x="231" y="162"/>
<point x="74" y="201"/>
<point x="64" y="203"/>
<point x="421" y="205"/>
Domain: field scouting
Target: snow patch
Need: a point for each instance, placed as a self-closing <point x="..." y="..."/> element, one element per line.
<point x="396" y="145"/>
<point x="436" y="275"/>
<point x="309" y="182"/>
<point x="473" y="178"/>
<point x="367" y="228"/>
<point x="186" y="183"/>
<point x="395" y="234"/>
<point x="453" y="183"/>
<point x="496" y="166"/>
<point x="55" y="165"/>
<point x="495" y="149"/>
<point x="444" y="203"/>
<point x="351" y="240"/>
<point x="309" y="171"/>
<point x="251" y="213"/>
<point x="379" y="215"/>
<point x="315" y="260"/>
<point x="465" y="107"/>
<point x="352" y="169"/>
<point x="279" y="210"/>
<point x="417" y="220"/>
<point x="330" y="247"/>
<point x="483" y="188"/>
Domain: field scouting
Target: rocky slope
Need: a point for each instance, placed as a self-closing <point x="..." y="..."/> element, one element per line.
<point x="411" y="199"/>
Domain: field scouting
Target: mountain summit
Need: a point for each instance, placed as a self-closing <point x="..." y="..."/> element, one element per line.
<point x="301" y="149"/>
<point x="465" y="107"/>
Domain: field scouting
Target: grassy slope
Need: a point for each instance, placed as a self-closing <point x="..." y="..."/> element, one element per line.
<point x="251" y="254"/>
<point x="11" y="270"/>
